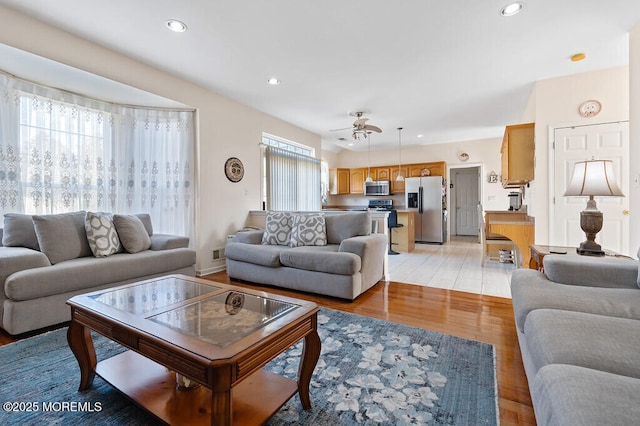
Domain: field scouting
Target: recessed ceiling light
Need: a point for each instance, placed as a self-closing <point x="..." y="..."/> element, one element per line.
<point x="273" y="81"/>
<point x="578" y="57"/>
<point x="176" y="26"/>
<point x="420" y="136"/>
<point x="512" y="9"/>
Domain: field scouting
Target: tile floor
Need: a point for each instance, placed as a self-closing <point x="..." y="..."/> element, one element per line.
<point x="454" y="265"/>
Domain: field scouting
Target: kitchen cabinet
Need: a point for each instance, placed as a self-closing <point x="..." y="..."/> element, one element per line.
<point x="356" y="181"/>
<point x="404" y="238"/>
<point x="339" y="181"/>
<point x="351" y="181"/>
<point x="397" y="187"/>
<point x="381" y="173"/>
<point x="419" y="169"/>
<point x="518" y="155"/>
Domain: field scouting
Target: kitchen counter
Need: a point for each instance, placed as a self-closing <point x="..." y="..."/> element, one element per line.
<point x="515" y="225"/>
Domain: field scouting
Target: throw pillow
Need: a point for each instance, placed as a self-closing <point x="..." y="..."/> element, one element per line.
<point x="146" y="221"/>
<point x="132" y="233"/>
<point x="62" y="236"/>
<point x="19" y="231"/>
<point x="277" y="228"/>
<point x="308" y="230"/>
<point x="101" y="234"/>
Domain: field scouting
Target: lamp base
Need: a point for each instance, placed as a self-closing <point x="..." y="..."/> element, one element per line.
<point x="591" y="224"/>
<point x="589" y="252"/>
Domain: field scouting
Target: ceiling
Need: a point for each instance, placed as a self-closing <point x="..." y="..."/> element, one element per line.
<point x="446" y="70"/>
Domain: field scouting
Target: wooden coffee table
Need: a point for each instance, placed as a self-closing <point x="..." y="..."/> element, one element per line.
<point x="215" y="334"/>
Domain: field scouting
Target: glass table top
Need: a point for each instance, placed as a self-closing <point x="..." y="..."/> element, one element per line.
<point x="224" y="318"/>
<point x="149" y="296"/>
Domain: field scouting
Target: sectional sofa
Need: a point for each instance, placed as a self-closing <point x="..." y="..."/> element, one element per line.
<point x="578" y="326"/>
<point x="45" y="260"/>
<point x="332" y="254"/>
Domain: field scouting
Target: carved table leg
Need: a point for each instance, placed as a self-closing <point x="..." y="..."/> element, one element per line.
<point x="79" y="338"/>
<point x="310" y="355"/>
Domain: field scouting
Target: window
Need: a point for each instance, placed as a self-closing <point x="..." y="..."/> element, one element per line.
<point x="291" y="175"/>
<point x="62" y="152"/>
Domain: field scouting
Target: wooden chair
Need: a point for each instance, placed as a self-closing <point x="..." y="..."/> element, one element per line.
<point x="493" y="239"/>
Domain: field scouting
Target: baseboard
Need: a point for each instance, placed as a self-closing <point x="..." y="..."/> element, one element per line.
<point x="212" y="270"/>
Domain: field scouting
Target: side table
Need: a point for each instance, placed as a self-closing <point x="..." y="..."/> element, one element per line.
<point x="538" y="252"/>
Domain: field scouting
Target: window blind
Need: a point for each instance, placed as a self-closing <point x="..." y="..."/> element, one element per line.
<point x="293" y="180"/>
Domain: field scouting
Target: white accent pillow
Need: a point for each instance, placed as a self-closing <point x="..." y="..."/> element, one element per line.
<point x="101" y="234"/>
<point x="277" y="228"/>
<point x="308" y="230"/>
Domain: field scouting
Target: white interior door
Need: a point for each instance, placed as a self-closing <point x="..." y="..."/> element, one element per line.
<point x="466" y="186"/>
<point x="601" y="142"/>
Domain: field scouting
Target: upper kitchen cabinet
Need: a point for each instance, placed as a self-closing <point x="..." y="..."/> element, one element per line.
<point x="517" y="155"/>
<point x="426" y="169"/>
<point x="381" y="173"/>
<point x="397" y="187"/>
<point x="339" y="181"/>
<point x="356" y="181"/>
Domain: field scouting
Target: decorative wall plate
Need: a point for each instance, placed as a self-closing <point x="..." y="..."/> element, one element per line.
<point x="233" y="169"/>
<point x="589" y="108"/>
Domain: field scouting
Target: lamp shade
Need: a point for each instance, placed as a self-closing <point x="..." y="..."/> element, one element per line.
<point x="593" y="178"/>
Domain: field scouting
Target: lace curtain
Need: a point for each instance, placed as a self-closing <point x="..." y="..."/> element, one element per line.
<point x="63" y="152"/>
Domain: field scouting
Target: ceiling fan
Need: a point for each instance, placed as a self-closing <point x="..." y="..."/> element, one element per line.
<point x="360" y="128"/>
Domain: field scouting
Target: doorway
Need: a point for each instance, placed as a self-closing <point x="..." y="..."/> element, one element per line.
<point x="465" y="196"/>
<point x="606" y="141"/>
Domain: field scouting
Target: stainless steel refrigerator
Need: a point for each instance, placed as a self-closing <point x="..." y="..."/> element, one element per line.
<point x="427" y="197"/>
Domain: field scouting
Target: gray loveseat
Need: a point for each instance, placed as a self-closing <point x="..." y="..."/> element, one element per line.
<point x="45" y="260"/>
<point x="578" y="326"/>
<point x="346" y="264"/>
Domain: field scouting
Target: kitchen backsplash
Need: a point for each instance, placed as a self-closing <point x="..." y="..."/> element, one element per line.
<point x="356" y="200"/>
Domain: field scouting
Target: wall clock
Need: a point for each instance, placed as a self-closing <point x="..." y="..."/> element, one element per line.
<point x="233" y="169"/>
<point x="589" y="108"/>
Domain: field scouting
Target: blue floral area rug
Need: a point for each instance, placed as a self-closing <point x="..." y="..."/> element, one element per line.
<point x="370" y="372"/>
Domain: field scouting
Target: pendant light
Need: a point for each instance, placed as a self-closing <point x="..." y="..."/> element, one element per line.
<point x="399" y="178"/>
<point x="369" y="179"/>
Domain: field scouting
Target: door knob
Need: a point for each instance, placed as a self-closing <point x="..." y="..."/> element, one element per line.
<point x="625" y="212"/>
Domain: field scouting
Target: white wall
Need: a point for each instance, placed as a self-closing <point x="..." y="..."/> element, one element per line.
<point x="634" y="138"/>
<point x="556" y="104"/>
<point x="225" y="128"/>
<point x="484" y="152"/>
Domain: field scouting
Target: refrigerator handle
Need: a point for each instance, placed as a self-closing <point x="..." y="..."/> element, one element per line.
<point x="420" y="200"/>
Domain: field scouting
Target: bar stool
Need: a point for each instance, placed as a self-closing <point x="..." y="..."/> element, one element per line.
<point x="393" y="223"/>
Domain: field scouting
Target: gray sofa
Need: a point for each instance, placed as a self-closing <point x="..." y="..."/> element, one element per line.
<point x="578" y="326"/>
<point x="349" y="262"/>
<point x="45" y="260"/>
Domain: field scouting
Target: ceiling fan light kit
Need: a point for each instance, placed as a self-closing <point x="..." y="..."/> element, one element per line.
<point x="360" y="129"/>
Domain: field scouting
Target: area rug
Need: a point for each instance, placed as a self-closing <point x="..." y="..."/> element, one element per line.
<point x="370" y="372"/>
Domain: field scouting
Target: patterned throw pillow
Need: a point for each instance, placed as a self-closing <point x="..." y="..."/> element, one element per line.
<point x="277" y="229"/>
<point x="101" y="234"/>
<point x="308" y="230"/>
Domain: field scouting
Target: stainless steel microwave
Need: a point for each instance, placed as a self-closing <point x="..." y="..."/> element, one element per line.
<point x="378" y="187"/>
